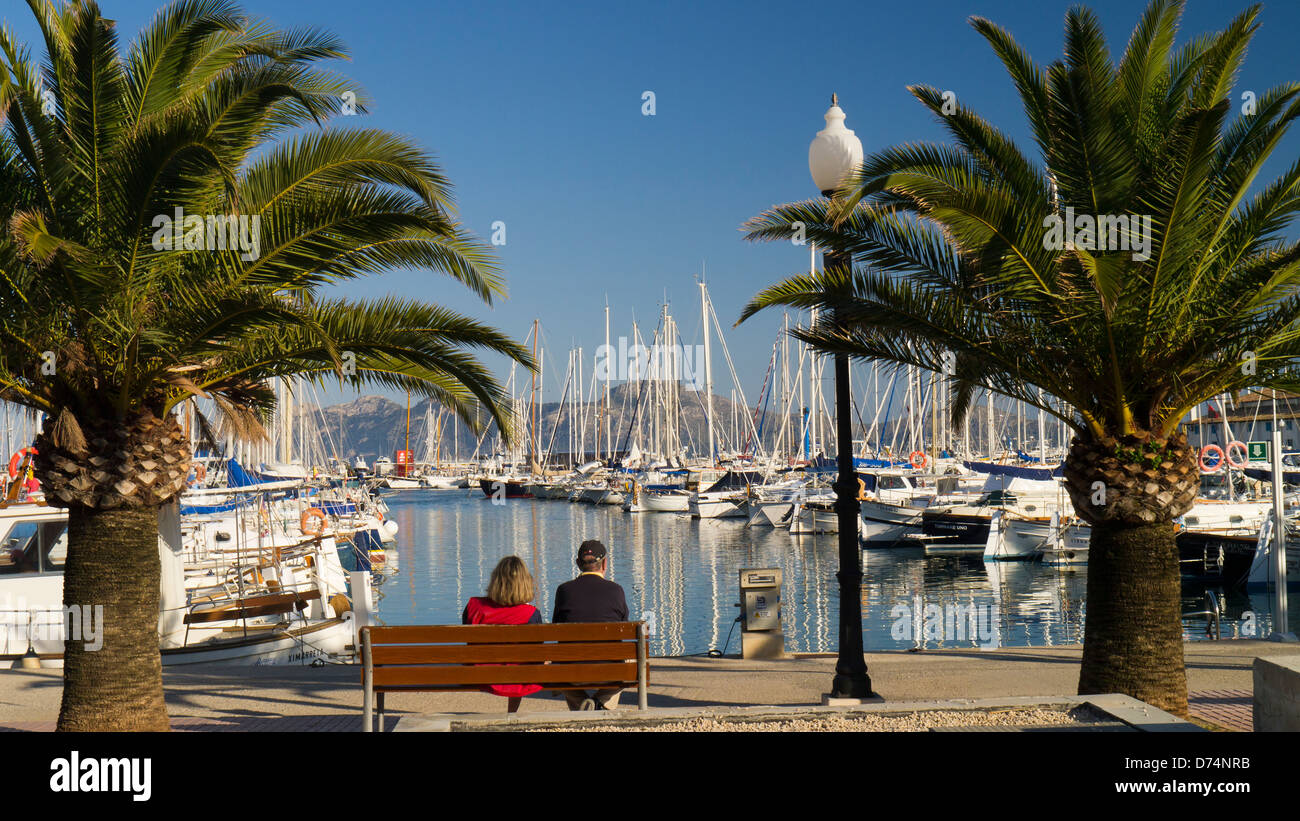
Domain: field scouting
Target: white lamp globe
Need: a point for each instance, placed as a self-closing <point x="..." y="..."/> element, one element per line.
<point x="834" y="152"/>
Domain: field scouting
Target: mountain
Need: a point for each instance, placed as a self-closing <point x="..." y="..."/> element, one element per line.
<point x="374" y="426"/>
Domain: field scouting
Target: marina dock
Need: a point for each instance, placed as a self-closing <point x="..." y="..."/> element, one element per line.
<point x="297" y="699"/>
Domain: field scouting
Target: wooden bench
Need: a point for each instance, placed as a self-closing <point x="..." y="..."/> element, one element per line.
<point x="454" y="658"/>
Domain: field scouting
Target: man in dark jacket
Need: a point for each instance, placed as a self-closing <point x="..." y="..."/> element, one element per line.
<point x="591" y="598"/>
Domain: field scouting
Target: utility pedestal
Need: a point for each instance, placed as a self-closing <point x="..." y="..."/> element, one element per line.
<point x="761" y="636"/>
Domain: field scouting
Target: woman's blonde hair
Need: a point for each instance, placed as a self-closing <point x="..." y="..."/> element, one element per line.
<point x="511" y="582"/>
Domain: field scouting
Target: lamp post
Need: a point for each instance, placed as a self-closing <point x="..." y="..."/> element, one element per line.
<point x="835" y="152"/>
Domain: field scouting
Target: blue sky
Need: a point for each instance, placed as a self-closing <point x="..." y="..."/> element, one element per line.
<point x="535" y="112"/>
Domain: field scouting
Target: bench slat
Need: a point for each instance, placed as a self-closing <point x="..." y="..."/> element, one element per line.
<point x="501" y="633"/>
<point x="478" y="688"/>
<point x="623" y="673"/>
<point x="508" y="653"/>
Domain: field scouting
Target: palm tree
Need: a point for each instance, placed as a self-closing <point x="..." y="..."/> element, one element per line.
<point x="1191" y="293"/>
<point x="110" y="318"/>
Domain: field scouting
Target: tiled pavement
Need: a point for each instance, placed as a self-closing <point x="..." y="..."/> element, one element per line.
<point x="1229" y="709"/>
<point x="276" y="724"/>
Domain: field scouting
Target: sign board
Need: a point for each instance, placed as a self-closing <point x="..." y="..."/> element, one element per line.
<point x="1257" y="451"/>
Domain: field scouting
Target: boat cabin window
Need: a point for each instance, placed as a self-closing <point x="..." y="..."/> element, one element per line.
<point x="890" y="482"/>
<point x="34" y="547"/>
<point x="1215" y="486"/>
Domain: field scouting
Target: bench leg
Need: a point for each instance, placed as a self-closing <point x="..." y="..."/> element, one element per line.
<point x="367" y="709"/>
<point x="367" y="684"/>
<point x="380" y="711"/>
<point x="642" y="665"/>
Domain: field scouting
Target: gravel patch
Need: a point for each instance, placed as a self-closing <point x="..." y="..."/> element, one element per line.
<point x="853" y="723"/>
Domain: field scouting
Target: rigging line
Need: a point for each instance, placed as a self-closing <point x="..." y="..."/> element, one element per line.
<point x="640" y="393"/>
<point x="698" y="399"/>
<point x="763" y="398"/>
<point x="556" y="428"/>
<point x="726" y="353"/>
<point x="889" y="403"/>
<point x="875" y="419"/>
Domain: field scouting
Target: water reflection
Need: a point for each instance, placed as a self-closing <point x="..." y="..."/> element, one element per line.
<point x="682" y="575"/>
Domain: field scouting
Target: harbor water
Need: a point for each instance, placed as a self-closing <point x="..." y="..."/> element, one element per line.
<point x="681" y="576"/>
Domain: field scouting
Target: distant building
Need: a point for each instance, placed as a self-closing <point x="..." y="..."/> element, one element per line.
<point x="1250" y="419"/>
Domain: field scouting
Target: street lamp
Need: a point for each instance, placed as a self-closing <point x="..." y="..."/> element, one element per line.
<point x="834" y="153"/>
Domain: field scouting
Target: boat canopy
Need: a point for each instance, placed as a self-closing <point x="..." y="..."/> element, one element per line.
<point x="1289" y="477"/>
<point x="1035" y="474"/>
<point x="736" y="480"/>
<point x="238" y="477"/>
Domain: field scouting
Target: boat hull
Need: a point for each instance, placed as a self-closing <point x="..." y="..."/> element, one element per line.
<point x="954" y="532"/>
<point x="513" y="489"/>
<point x="886" y="524"/>
<point x="1211" y="556"/>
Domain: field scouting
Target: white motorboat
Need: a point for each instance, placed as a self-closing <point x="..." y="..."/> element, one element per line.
<point x="1068" y="545"/>
<point x="403" y="483"/>
<point x="723" y="505"/>
<point x="290" y="609"/>
<point x="886" y="523"/>
<point x="727" y="498"/>
<point x="657" y="499"/>
<point x="815" y="515"/>
<point x="433" y="481"/>
<point x="774" y="505"/>
<point x="1263" y="568"/>
<point x="1014" y="538"/>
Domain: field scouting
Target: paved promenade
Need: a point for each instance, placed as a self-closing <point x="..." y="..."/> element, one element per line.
<point x="329" y="698"/>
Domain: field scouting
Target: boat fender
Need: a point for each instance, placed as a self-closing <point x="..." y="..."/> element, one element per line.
<point x="390" y="527"/>
<point x="340" y="605"/>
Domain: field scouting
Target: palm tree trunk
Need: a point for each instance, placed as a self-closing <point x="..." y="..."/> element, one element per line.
<point x="113" y="561"/>
<point x="1133" y="629"/>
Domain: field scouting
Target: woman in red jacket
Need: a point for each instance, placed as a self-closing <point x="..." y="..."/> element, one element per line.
<point x="507" y="602"/>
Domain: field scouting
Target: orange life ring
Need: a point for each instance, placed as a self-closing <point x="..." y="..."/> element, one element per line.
<point x="309" y="514"/>
<point x="1206" y="451"/>
<point x="200" y="472"/>
<point x="917" y="459"/>
<point x="16" y="461"/>
<point x="1227" y="454"/>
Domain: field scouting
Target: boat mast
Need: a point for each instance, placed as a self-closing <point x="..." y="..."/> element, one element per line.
<point x="785" y="381"/>
<point x="709" y="373"/>
<point x="935" y="390"/>
<point x="608" y="376"/>
<point x="537" y="425"/>
<point x="814" y="393"/>
<point x="991" y="433"/>
<point x="406" y="464"/>
<point x="572" y="430"/>
<point x="1042" y="432"/>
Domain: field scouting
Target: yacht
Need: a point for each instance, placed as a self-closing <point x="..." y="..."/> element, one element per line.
<point x="275" y="604"/>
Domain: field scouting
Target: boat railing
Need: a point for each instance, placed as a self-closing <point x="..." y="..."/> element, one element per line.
<point x="1212" y="615"/>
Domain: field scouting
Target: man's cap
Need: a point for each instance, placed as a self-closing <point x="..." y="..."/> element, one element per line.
<point x="591" y="549"/>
